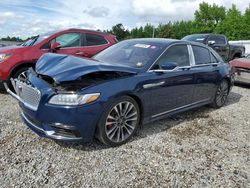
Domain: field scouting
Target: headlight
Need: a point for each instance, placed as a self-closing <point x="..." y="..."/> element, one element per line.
<point x="4" y="57"/>
<point x="73" y="99"/>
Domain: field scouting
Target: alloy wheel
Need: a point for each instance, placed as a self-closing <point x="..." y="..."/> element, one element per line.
<point x="22" y="76"/>
<point x="221" y="94"/>
<point x="121" y="121"/>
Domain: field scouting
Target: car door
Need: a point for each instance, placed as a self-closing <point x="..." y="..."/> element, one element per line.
<point x="94" y="43"/>
<point x="206" y="73"/>
<point x="171" y="90"/>
<point x="219" y="43"/>
<point x="71" y="43"/>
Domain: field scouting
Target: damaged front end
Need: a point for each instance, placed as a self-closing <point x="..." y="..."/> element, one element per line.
<point x="57" y="99"/>
<point x="69" y="73"/>
<point x="84" y="81"/>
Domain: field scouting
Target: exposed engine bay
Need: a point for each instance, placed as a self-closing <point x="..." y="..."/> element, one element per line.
<point x="84" y="81"/>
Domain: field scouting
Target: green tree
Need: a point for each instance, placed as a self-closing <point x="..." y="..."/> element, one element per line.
<point x="164" y="31"/>
<point x="246" y="24"/>
<point x="120" y="32"/>
<point x="233" y="24"/>
<point x="183" y="28"/>
<point x="208" y="17"/>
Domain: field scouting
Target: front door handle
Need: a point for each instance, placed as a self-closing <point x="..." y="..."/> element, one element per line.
<point x="146" y="86"/>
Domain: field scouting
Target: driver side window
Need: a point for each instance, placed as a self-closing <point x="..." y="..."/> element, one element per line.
<point x="69" y="40"/>
<point x="66" y="40"/>
<point x="176" y="54"/>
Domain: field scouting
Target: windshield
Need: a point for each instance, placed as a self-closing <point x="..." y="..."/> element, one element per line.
<point x="30" y="42"/>
<point x="36" y="39"/>
<point x="196" y="38"/>
<point x="131" y="53"/>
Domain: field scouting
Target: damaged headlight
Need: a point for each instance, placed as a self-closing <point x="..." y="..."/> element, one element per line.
<point x="73" y="99"/>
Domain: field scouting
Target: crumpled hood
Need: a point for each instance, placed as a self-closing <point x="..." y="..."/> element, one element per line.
<point x="241" y="62"/>
<point x="67" y="68"/>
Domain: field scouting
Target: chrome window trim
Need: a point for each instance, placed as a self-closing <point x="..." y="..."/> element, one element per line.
<point x="204" y="64"/>
<point x="159" y="70"/>
<point x="191" y="55"/>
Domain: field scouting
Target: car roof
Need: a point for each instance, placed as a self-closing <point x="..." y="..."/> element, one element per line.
<point x="166" y="42"/>
<point x="95" y="31"/>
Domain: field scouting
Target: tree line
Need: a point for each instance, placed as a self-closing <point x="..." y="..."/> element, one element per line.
<point x="207" y="19"/>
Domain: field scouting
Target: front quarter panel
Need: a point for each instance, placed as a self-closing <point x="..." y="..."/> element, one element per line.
<point x="131" y="85"/>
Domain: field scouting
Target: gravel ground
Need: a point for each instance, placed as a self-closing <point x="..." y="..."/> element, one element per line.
<point x="200" y="148"/>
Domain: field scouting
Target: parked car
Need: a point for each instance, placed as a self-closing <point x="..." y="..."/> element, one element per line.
<point x="242" y="69"/>
<point x="2" y="45"/>
<point x="130" y="83"/>
<point x="220" y="44"/>
<point x="15" y="60"/>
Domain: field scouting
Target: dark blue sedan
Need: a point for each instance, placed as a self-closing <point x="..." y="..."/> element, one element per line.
<point x="131" y="83"/>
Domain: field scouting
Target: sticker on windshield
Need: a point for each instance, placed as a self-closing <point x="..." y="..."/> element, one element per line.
<point x="142" y="45"/>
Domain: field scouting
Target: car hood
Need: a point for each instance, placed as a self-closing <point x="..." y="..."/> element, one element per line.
<point x="242" y="62"/>
<point x="9" y="49"/>
<point x="67" y="68"/>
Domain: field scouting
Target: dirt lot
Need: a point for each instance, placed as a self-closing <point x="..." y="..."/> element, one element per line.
<point x="200" y="148"/>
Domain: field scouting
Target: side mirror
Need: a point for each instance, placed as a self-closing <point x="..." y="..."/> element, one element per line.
<point x="211" y="42"/>
<point x="168" y="66"/>
<point x="54" y="46"/>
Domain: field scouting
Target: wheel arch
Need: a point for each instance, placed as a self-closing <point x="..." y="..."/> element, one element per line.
<point x="19" y="66"/>
<point x="140" y="104"/>
<point x="228" y="79"/>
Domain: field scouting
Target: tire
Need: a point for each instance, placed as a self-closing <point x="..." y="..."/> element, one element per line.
<point x="114" y="127"/>
<point x="19" y="74"/>
<point x="221" y="94"/>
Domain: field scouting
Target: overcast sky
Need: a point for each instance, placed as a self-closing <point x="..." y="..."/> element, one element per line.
<point x="30" y="17"/>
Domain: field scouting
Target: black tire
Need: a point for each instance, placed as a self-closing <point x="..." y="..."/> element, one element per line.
<point x="112" y="127"/>
<point x="17" y="74"/>
<point x="221" y="94"/>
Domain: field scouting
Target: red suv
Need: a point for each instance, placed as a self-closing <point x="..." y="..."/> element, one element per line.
<point x="15" y="60"/>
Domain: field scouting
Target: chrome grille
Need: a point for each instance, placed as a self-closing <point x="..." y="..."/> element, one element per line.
<point x="29" y="95"/>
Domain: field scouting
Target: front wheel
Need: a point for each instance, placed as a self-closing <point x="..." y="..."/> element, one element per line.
<point x="21" y="74"/>
<point x="119" y="121"/>
<point x="221" y="94"/>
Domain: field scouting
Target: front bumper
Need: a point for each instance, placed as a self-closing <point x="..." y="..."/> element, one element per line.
<point x="242" y="75"/>
<point x="62" y="123"/>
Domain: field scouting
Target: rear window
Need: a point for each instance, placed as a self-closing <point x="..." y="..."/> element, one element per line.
<point x="217" y="39"/>
<point x="95" y="40"/>
<point x="201" y="55"/>
<point x="195" y="38"/>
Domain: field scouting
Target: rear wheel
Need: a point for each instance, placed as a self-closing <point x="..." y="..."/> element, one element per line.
<point x="119" y="121"/>
<point x="221" y="94"/>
